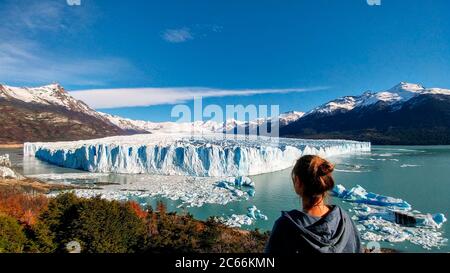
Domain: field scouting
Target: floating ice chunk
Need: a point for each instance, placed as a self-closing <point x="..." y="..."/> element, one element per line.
<point x="383" y="218"/>
<point x="173" y="154"/>
<point x="255" y="213"/>
<point x="237" y="221"/>
<point x="6" y="172"/>
<point x="381" y="230"/>
<point x="225" y="185"/>
<point x="189" y="191"/>
<point x="439" y="219"/>
<point x="409" y="166"/>
<point x="243" y="181"/>
<point x="236" y="185"/>
<point x="359" y="195"/>
<point x="4" y="161"/>
<point x="339" y="191"/>
<point x="251" y="193"/>
<point x="234" y="188"/>
<point x="5" y="168"/>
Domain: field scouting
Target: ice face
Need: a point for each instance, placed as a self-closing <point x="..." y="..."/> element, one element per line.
<point x="202" y="156"/>
<point x="384" y="218"/>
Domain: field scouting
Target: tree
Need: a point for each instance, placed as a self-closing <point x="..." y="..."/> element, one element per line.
<point x="100" y="226"/>
<point x="39" y="239"/>
<point x="12" y="238"/>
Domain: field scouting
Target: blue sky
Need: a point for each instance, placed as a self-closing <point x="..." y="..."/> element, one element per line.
<point x="301" y="53"/>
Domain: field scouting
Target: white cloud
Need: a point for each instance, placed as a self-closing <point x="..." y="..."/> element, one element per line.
<point x="177" y="35"/>
<point x="27" y="60"/>
<point x="30" y="16"/>
<point x="132" y="97"/>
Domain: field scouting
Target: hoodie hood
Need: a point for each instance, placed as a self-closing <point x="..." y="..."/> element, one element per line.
<point x="328" y="234"/>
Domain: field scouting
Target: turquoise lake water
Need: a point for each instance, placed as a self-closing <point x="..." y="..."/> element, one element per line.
<point x="418" y="175"/>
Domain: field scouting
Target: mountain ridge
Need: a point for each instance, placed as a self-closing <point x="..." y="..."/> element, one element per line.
<point x="49" y="113"/>
<point x="407" y="114"/>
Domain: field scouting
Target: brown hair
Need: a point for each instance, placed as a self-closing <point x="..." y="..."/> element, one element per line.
<point x="315" y="174"/>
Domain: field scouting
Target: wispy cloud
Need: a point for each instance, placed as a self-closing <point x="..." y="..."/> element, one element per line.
<point x="184" y="34"/>
<point x="27" y="62"/>
<point x="25" y="57"/>
<point x="32" y="16"/>
<point x="177" y="35"/>
<point x="133" y="97"/>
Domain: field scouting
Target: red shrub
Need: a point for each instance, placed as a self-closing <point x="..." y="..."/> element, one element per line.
<point x="138" y="210"/>
<point x="23" y="207"/>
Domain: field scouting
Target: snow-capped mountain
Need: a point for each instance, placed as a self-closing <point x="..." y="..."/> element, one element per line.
<point x="199" y="127"/>
<point x="49" y="113"/>
<point x="405" y="114"/>
<point x="167" y="127"/>
<point x="50" y="95"/>
<point x="395" y="96"/>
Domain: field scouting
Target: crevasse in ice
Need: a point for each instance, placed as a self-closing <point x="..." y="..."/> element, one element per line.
<point x="202" y="156"/>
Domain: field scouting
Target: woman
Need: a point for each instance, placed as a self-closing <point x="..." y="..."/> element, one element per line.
<point x="318" y="228"/>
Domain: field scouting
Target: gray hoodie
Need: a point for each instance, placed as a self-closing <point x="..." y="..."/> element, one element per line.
<point x="296" y="232"/>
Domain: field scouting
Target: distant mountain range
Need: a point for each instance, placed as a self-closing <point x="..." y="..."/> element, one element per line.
<point x="405" y="114"/>
<point x="229" y="126"/>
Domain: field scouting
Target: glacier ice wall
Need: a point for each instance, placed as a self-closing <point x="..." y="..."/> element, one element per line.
<point x="202" y="156"/>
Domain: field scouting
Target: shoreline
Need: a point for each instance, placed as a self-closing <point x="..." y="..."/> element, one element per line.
<point x="11" y="146"/>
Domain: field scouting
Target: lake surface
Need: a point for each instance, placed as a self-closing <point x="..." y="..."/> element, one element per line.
<point x="418" y="175"/>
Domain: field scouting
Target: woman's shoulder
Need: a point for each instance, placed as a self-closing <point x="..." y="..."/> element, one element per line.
<point x="337" y="210"/>
<point x="286" y="217"/>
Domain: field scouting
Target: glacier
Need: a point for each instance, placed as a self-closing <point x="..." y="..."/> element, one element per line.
<point x="209" y="155"/>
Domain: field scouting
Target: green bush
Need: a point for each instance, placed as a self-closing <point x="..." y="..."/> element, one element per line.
<point x="99" y="226"/>
<point x="172" y="233"/>
<point x="39" y="239"/>
<point x="12" y="238"/>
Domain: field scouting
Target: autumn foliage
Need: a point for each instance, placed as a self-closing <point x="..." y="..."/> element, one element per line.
<point x="23" y="207"/>
<point x="37" y="224"/>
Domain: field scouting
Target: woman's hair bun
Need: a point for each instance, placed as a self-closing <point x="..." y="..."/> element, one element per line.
<point x="325" y="169"/>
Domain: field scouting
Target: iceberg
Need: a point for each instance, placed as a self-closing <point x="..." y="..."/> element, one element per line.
<point x="389" y="219"/>
<point x="4" y="161"/>
<point x="238" y="221"/>
<point x="5" y="168"/>
<point x="256" y="214"/>
<point x="214" y="155"/>
<point x="244" y="181"/>
<point x="359" y="195"/>
<point x="6" y="172"/>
